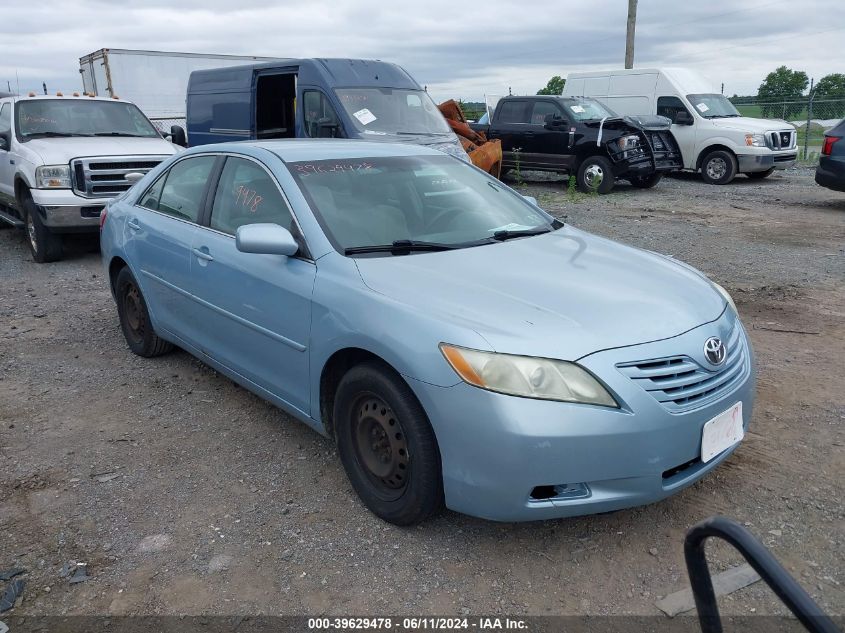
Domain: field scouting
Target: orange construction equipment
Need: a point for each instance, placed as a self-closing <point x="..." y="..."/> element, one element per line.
<point x="484" y="154"/>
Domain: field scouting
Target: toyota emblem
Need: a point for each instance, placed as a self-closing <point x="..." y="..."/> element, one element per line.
<point x="714" y="351"/>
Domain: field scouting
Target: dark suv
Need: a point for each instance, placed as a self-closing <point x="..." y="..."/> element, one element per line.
<point x="831" y="170"/>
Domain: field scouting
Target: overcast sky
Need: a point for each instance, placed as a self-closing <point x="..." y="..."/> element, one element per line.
<point x="459" y="50"/>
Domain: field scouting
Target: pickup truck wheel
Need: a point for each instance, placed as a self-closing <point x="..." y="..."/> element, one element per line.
<point x="759" y="175"/>
<point x="44" y="245"/>
<point x="387" y="445"/>
<point x="135" y="318"/>
<point x="595" y="174"/>
<point x="646" y="182"/>
<point x="718" y="167"/>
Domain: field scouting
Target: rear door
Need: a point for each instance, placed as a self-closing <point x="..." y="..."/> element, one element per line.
<point x="510" y="125"/>
<point x="160" y="231"/>
<point x="255" y="310"/>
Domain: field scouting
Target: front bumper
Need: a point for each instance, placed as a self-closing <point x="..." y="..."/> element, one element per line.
<point x="64" y="212"/>
<point x="496" y="449"/>
<point x="748" y="163"/>
<point x="830" y="173"/>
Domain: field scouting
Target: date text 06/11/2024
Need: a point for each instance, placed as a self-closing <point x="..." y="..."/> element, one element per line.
<point x="416" y="624"/>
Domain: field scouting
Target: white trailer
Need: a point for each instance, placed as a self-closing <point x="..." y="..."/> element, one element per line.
<point x="155" y="81"/>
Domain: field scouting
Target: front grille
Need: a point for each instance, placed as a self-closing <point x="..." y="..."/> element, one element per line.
<point x="680" y="383"/>
<point x="664" y="148"/>
<point x="781" y="139"/>
<point x="104" y="177"/>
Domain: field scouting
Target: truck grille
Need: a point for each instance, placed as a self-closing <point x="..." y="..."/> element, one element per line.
<point x="680" y="383"/>
<point x="664" y="148"/>
<point x="105" y="177"/>
<point x="781" y="139"/>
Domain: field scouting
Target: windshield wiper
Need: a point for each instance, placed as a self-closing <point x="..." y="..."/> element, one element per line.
<point x="118" y="134"/>
<point x="53" y="134"/>
<point x="503" y="235"/>
<point x="401" y="247"/>
<point x="722" y="116"/>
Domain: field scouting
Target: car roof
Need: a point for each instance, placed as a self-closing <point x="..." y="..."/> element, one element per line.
<point x="295" y="150"/>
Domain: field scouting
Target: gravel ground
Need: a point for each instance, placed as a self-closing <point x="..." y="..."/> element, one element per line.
<point x="185" y="494"/>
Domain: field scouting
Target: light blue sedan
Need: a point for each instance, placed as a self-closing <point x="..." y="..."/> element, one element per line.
<point x="460" y="345"/>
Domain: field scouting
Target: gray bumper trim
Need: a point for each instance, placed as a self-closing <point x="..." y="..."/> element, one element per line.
<point x="71" y="218"/>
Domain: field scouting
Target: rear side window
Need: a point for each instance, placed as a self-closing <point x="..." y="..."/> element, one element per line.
<point x="184" y="186"/>
<point x="670" y="106"/>
<point x="513" y="112"/>
<point x="6" y="118"/>
<point x="247" y="194"/>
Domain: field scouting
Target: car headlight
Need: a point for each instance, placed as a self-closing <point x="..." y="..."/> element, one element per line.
<point x="527" y="376"/>
<point x="724" y="294"/>
<point x="52" y="177"/>
<point x="755" y="140"/>
<point x="628" y="142"/>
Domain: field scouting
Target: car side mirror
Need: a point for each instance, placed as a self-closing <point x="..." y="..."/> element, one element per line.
<point x="4" y="142"/>
<point x="326" y="128"/>
<point x="553" y="121"/>
<point x="531" y="200"/>
<point x="682" y="117"/>
<point x="265" y="239"/>
<point x="178" y="136"/>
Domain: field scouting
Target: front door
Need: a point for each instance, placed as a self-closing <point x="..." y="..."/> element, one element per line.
<point x="254" y="311"/>
<point x="549" y="146"/>
<point x="162" y="225"/>
<point x="7" y="167"/>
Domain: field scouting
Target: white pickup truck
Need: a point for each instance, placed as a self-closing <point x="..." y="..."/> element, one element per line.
<point x="63" y="157"/>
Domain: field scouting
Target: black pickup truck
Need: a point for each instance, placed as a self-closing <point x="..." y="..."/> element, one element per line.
<point x="581" y="136"/>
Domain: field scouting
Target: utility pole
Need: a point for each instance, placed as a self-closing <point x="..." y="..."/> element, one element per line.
<point x="629" y="39"/>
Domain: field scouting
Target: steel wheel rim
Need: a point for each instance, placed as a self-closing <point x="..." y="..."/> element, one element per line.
<point x="30" y="231"/>
<point x="133" y="312"/>
<point x="716" y="168"/>
<point x="593" y="176"/>
<point x="381" y="447"/>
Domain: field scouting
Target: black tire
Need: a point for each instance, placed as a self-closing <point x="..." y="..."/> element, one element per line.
<point x="646" y="182"/>
<point x="718" y="167"/>
<point x="387" y="445"/>
<point x="595" y="174"/>
<point x="44" y="245"/>
<point x="135" y="318"/>
<point x="759" y="175"/>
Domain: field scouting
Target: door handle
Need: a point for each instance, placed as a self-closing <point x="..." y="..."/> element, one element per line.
<point x="529" y="134"/>
<point x="203" y="254"/>
<point x="133" y="224"/>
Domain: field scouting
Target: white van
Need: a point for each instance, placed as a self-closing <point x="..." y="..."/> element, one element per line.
<point x="714" y="137"/>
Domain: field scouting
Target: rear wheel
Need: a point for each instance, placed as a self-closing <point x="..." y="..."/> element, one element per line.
<point x="595" y="174"/>
<point x="387" y="445"/>
<point x="718" y="167"/>
<point x="759" y="175"/>
<point x="44" y="245"/>
<point x="646" y="182"/>
<point x="135" y="318"/>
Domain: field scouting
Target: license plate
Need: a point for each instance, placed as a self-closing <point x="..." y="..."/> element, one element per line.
<point x="722" y="432"/>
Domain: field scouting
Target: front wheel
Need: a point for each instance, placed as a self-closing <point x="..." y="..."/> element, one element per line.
<point x="718" y="167"/>
<point x="135" y="318"/>
<point x="595" y="174"/>
<point x="44" y="245"/>
<point x="387" y="445"/>
<point x="646" y="182"/>
<point x="759" y="175"/>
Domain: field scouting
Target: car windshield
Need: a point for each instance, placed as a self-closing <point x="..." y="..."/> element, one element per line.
<point x="392" y="111"/>
<point x="81" y="117"/>
<point x="713" y="106"/>
<point x="423" y="200"/>
<point x="588" y="110"/>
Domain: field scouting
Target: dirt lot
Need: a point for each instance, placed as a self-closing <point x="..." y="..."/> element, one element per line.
<point x="186" y="494"/>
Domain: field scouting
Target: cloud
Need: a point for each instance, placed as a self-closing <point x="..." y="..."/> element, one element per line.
<point x="455" y="51"/>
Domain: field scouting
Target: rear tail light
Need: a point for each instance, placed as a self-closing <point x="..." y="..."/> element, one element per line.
<point x="827" y="148"/>
<point x="103" y="214"/>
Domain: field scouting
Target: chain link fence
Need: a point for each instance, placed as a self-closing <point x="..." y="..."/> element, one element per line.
<point x="163" y="124"/>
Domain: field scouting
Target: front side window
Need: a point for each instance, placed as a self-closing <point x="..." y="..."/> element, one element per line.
<point x="184" y="187"/>
<point x="320" y="118"/>
<point x="376" y="201"/>
<point x="5" y="118"/>
<point x="541" y="110"/>
<point x="81" y="117"/>
<point x="713" y="106"/>
<point x="670" y="106"/>
<point x="392" y="111"/>
<point x="247" y="194"/>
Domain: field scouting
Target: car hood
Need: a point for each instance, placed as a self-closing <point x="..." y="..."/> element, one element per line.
<point x="57" y="151"/>
<point x="562" y="295"/>
<point x="749" y="125"/>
